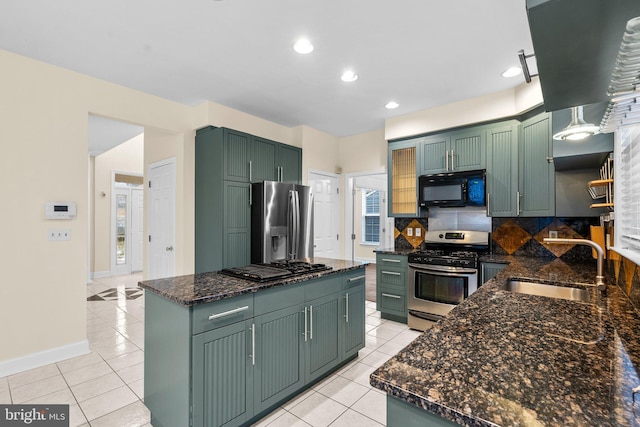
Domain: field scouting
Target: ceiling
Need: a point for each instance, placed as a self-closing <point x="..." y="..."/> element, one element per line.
<point x="420" y="53"/>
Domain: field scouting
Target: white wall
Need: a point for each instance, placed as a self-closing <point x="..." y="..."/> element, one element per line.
<point x="126" y="157"/>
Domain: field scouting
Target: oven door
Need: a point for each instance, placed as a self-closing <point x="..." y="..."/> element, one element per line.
<point x="436" y="290"/>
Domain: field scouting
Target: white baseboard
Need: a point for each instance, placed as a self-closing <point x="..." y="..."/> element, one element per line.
<point x="43" y="358"/>
<point x="101" y="274"/>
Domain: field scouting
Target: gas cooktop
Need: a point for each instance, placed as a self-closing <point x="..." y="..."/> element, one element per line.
<point x="274" y="270"/>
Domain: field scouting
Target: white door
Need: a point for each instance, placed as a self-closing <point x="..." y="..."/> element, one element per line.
<point x="137" y="230"/>
<point x="162" y="214"/>
<point x="120" y="233"/>
<point x="386" y="223"/>
<point x="326" y="215"/>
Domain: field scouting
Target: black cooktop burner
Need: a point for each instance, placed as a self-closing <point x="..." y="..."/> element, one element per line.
<point x="273" y="271"/>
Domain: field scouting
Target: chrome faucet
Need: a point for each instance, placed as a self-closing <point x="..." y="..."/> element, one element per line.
<point x="599" y="275"/>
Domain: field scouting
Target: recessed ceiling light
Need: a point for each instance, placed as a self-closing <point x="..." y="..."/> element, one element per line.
<point x="349" y="76"/>
<point x="512" y="72"/>
<point x="391" y="105"/>
<point x="303" y="46"/>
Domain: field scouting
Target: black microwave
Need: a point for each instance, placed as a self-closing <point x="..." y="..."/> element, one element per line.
<point x="452" y="189"/>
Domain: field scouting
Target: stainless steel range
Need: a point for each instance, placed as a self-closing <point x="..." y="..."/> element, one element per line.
<point x="443" y="274"/>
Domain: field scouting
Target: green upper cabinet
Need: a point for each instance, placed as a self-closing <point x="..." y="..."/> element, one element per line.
<point x="536" y="172"/>
<point x="262" y="163"/>
<point x="502" y="170"/>
<point x="237" y="224"/>
<point x="453" y="151"/>
<point x="402" y="178"/>
<point x="237" y="155"/>
<point x="289" y="164"/>
<point x="520" y="176"/>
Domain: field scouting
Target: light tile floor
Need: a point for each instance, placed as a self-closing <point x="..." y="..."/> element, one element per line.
<point x="105" y="387"/>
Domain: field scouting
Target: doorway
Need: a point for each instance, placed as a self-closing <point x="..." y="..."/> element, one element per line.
<point x="326" y="213"/>
<point x="366" y="216"/>
<point x="161" y="219"/>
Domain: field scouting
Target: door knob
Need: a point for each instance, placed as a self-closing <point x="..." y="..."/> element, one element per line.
<point x="169" y="248"/>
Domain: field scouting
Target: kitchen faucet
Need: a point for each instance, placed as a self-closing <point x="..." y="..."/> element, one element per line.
<point x="599" y="276"/>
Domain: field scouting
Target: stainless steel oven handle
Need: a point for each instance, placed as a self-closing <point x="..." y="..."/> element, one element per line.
<point x="446" y="271"/>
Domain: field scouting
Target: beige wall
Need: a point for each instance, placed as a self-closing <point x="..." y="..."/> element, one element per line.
<point x="127" y="157"/>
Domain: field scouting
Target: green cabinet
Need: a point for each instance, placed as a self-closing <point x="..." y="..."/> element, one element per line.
<point x="391" y="286"/>
<point x="223" y="359"/>
<point x="453" y="151"/>
<point x="489" y="270"/>
<point x="226" y="162"/>
<point x="228" y="362"/>
<point x="352" y="316"/>
<point x="520" y="175"/>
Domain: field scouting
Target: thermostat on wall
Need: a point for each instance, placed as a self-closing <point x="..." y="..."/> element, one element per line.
<point x="60" y="210"/>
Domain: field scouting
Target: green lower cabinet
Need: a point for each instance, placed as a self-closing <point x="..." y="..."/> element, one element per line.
<point x="223" y="391"/>
<point x="353" y="319"/>
<point x="403" y="414"/>
<point x="391" y="286"/>
<point x="488" y="270"/>
<point x="279" y="361"/>
<point x="322" y="336"/>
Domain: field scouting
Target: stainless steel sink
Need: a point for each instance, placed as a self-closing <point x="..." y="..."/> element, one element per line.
<point x="525" y="286"/>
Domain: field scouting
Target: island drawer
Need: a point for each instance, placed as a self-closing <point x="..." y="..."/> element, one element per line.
<point x="354" y="278"/>
<point x="224" y="312"/>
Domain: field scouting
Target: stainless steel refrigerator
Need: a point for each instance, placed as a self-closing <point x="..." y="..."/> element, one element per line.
<point x="281" y="222"/>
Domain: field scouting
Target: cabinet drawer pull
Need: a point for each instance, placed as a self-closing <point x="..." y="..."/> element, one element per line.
<point x="353" y="279"/>
<point x="392" y="273"/>
<point x="346" y="307"/>
<point x="391" y="260"/>
<point x="391" y="296"/>
<point x="228" y="313"/>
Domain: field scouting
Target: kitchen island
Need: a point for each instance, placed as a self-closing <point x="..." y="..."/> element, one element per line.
<point x="226" y="351"/>
<point x="510" y="359"/>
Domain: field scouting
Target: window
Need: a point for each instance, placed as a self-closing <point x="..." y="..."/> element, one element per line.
<point x="370" y="217"/>
<point x="627" y="185"/>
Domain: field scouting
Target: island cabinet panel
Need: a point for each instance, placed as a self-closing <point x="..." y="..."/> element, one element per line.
<point x="402" y="414"/>
<point x="489" y="270"/>
<point x="391" y="286"/>
<point x="228" y="362"/>
<point x="222" y="392"/>
<point x="226" y="163"/>
<point x="322" y="336"/>
<point x="279" y="362"/>
<point x="352" y="314"/>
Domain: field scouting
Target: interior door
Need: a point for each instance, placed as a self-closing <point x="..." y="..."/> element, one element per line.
<point x="162" y="213"/>
<point x="326" y="206"/>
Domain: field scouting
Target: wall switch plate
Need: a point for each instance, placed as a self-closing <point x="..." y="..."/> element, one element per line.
<point x="418" y="232"/>
<point x="59" y="234"/>
<point x="410" y="232"/>
<point x="553" y="234"/>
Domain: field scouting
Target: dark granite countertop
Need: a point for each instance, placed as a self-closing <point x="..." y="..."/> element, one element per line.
<point x="509" y="359"/>
<point x="192" y="289"/>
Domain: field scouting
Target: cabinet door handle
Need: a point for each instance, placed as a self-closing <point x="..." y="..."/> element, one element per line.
<point x="353" y="279"/>
<point x="488" y="204"/>
<point x="253" y="344"/>
<point x="310" y="323"/>
<point x="518" y="203"/>
<point x="453" y="166"/>
<point x="250" y="194"/>
<point x="228" y="313"/>
<point x="392" y="273"/>
<point x="250" y="171"/>
<point x="391" y="296"/>
<point x="280" y="173"/>
<point x="397" y="261"/>
<point x="346" y="307"/>
<point x="446" y="160"/>
<point x="305" y="324"/>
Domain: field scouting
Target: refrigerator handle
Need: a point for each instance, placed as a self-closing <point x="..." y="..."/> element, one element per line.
<point x="296" y="224"/>
<point x="291" y="225"/>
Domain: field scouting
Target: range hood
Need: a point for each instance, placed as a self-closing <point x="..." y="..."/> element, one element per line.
<point x="588" y="153"/>
<point x="576" y="44"/>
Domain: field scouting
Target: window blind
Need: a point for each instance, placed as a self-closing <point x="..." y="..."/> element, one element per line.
<point x="628" y="188"/>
